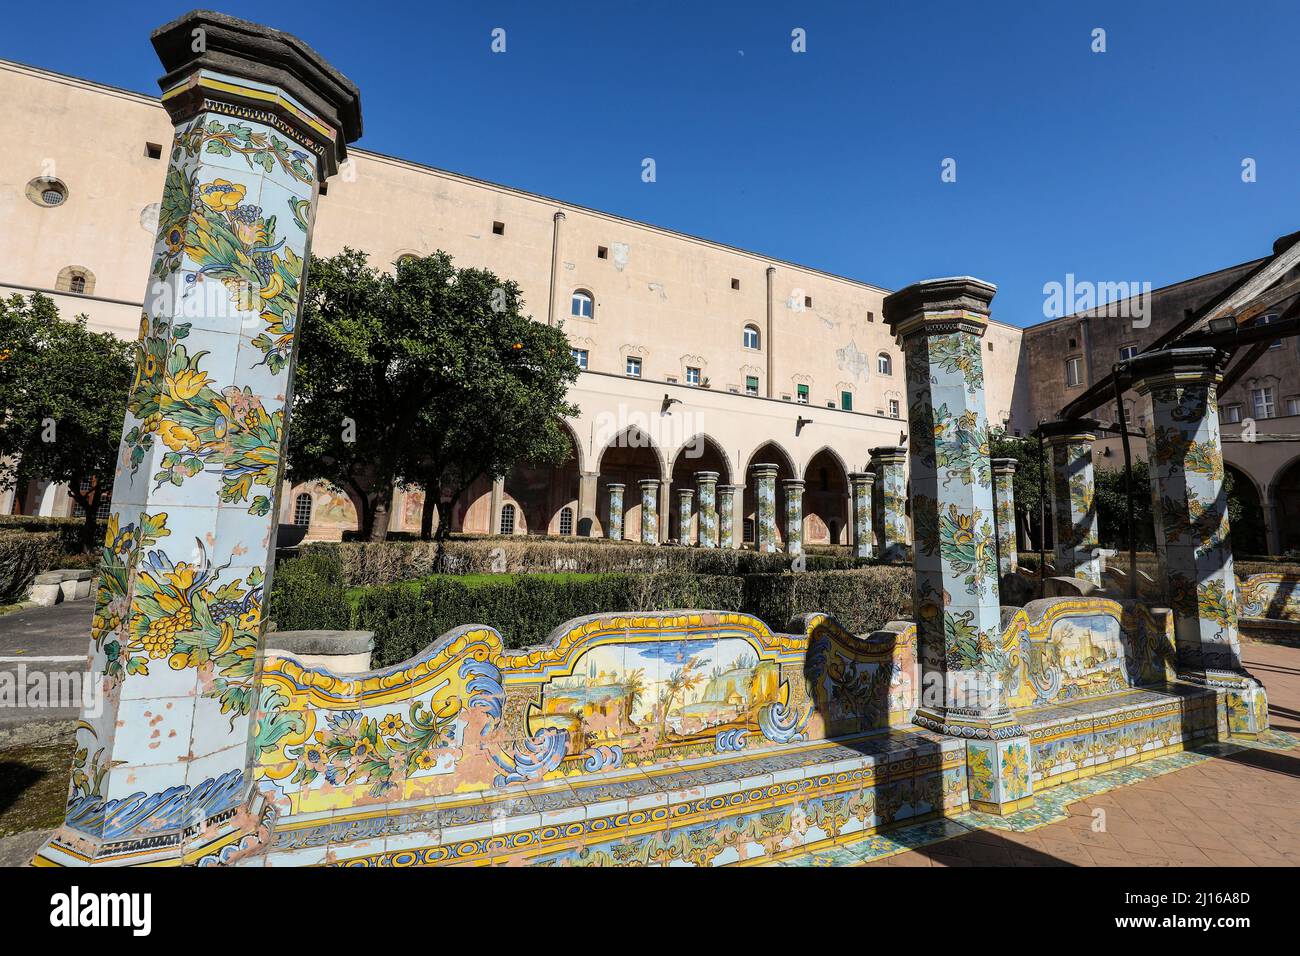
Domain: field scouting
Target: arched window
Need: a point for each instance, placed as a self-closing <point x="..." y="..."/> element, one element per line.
<point x="566" y="521"/>
<point x="302" y="510"/>
<point x="884" y="364"/>
<point x="507" y="518"/>
<point x="582" y="306"/>
<point x="76" y="279"/>
<point x="752" y="339"/>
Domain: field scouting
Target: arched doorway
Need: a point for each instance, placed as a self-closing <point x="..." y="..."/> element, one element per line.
<point x="826" y="500"/>
<point x="629" y="457"/>
<point x="541" y="493"/>
<point x="1286" y="501"/>
<point x="1246" y="513"/>
<point x="769" y="453"/>
<point x="701" y="453"/>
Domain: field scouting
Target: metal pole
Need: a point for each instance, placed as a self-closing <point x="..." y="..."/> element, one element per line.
<point x="1128" y="481"/>
<point x="1042" y="511"/>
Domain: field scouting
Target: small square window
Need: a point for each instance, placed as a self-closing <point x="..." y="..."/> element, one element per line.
<point x="751" y="384"/>
<point x="871" y="316"/>
<point x="990" y="346"/>
<point x="498" y="228"/>
<point x="671" y="380"/>
<point x="802" y="392"/>
<point x="807" y="302"/>
<point x="153" y="150"/>
<point x="846" y="401"/>
<point x="1127" y="352"/>
<point x="735" y="283"/>
<point x="580" y="356"/>
<point x="785" y="398"/>
<point x="633" y="367"/>
<point x="692" y="375"/>
<point x="893" y="408"/>
<point x="602" y="252"/>
<point x="1074" y="343"/>
<point x="830" y="404"/>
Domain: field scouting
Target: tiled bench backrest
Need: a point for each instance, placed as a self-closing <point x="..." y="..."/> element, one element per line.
<point x="1270" y="596"/>
<point x="606" y="691"/>
<point x="1063" y="649"/>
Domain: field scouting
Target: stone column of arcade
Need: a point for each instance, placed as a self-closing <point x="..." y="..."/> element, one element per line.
<point x="615" y="510"/>
<point x="649" y="510"/>
<point x="1074" y="507"/>
<point x="863" y="536"/>
<point x="939" y="325"/>
<point x="162" y="774"/>
<point x="765" y="508"/>
<point x="685" y="498"/>
<point x="707" y="484"/>
<point x="891" y="486"/>
<point x="1004" y="514"/>
<point x="727" y="515"/>
<point x="1191" y="526"/>
<point x="793" y="489"/>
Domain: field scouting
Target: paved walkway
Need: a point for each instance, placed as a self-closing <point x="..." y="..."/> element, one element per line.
<point x="50" y="642"/>
<point x="1240" y="809"/>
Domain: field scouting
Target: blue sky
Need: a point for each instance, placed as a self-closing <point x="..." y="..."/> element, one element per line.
<point x="1123" y="165"/>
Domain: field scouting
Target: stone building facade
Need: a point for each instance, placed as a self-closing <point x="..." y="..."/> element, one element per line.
<point x="697" y="358"/>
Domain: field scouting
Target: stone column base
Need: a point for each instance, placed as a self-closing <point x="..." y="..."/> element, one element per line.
<point x="999" y="758"/>
<point x="999" y="775"/>
<point x="222" y="838"/>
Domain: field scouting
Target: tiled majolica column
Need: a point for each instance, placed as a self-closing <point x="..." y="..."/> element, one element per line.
<point x="939" y="325"/>
<point x="649" y="510"/>
<point x="765" y="508"/>
<point x="1004" y="514"/>
<point x="161" y="772"/>
<point x="615" y="510"/>
<point x="891" y="489"/>
<point x="1185" y="457"/>
<point x="685" y="499"/>
<point x="863" y="537"/>
<point x="727" y="515"/>
<point x="792" y="488"/>
<point x="707" y="483"/>
<point x="1074" y="507"/>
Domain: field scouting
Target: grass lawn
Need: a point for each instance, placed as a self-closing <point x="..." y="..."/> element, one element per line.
<point x="34" y="785"/>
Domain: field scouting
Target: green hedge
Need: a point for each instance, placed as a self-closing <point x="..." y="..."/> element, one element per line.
<point x="408" y="616"/>
<point x="366" y="563"/>
<point x="307" y="593"/>
<point x="23" y="555"/>
<point x="68" y="531"/>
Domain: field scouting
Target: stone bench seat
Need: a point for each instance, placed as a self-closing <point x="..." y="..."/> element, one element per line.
<point x="743" y="808"/>
<point x="1074" y="739"/>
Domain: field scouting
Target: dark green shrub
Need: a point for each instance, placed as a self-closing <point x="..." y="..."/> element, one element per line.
<point x="862" y="601"/>
<point x="307" y="593"/>
<point x="23" y="555"/>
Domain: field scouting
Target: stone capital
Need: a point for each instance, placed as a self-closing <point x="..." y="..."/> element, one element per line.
<point x="219" y="63"/>
<point x="1176" y="366"/>
<point x="888" y="454"/>
<point x="707" y="476"/>
<point x="1004" y="466"/>
<point x="764" y="470"/>
<point x="616" y="486"/>
<point x="1070" y="431"/>
<point x="936" y="306"/>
